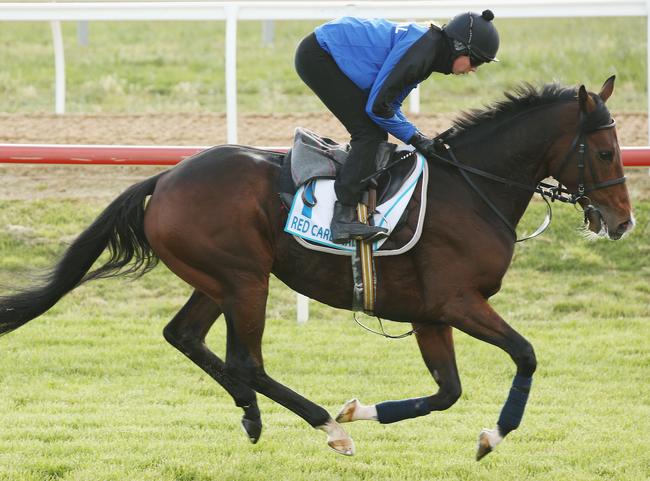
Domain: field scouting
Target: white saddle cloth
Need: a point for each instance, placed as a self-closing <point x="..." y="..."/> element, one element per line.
<point x="312" y="224"/>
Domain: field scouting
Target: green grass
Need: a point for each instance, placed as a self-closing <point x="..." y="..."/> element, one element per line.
<point x="179" y="66"/>
<point x="91" y="391"/>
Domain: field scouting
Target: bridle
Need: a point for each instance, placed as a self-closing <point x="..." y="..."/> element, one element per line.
<point x="581" y="145"/>
<point x="546" y="191"/>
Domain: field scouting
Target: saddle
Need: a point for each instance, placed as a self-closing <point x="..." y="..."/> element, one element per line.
<point x="314" y="157"/>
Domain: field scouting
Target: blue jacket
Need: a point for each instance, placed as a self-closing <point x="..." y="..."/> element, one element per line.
<point x="387" y="60"/>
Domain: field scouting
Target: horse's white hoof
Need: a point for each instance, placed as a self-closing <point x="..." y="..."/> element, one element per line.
<point x="337" y="438"/>
<point x="488" y="439"/>
<point x="343" y="446"/>
<point x="346" y="414"/>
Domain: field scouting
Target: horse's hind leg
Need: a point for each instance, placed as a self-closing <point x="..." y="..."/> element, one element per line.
<point x="187" y="331"/>
<point x="437" y="348"/>
<point x="245" y="317"/>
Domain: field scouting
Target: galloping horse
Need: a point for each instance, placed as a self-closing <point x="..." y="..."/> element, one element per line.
<point x="216" y="221"/>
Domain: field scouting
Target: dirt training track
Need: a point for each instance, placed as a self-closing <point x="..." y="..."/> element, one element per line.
<point x="38" y="181"/>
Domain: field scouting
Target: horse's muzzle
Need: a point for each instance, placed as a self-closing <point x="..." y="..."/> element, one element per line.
<point x="622" y="229"/>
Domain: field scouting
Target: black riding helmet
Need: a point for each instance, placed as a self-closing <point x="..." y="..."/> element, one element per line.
<point x="474" y="35"/>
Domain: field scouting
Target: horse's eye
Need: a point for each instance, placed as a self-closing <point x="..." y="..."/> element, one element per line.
<point x="607" y="155"/>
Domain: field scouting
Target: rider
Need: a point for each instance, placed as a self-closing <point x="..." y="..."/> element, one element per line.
<point x="362" y="70"/>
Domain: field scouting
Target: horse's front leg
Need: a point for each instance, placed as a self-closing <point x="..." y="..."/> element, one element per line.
<point x="437" y="348"/>
<point x="471" y="313"/>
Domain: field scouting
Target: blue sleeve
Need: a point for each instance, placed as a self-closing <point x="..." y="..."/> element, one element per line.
<point x="399" y="116"/>
<point x="397" y="125"/>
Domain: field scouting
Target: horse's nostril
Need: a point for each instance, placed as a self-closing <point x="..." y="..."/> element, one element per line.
<point x="624" y="226"/>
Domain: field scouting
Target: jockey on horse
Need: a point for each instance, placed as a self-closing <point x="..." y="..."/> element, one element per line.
<point x="363" y="69"/>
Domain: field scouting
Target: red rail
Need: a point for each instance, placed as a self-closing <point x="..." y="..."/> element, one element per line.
<point x="94" y="154"/>
<point x="636" y="156"/>
<point x="165" y="155"/>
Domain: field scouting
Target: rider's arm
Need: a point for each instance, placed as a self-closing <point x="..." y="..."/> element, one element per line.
<point x="410" y="62"/>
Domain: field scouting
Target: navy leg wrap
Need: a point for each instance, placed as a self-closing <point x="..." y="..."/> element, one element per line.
<point x="513" y="409"/>
<point x="393" y="411"/>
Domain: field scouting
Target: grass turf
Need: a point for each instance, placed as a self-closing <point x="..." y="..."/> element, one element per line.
<point x="91" y="391"/>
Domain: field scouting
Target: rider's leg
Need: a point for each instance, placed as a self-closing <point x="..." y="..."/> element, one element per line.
<point x="347" y="102"/>
<point x="349" y="190"/>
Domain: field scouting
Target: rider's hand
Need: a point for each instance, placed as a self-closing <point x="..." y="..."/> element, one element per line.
<point x="428" y="147"/>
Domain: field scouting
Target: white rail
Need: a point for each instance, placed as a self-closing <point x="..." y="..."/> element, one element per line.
<point x="298" y="10"/>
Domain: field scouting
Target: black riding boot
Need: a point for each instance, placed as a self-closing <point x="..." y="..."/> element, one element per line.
<point x="346" y="226"/>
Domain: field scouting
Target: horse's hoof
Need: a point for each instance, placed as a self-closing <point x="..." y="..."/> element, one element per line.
<point x="343" y="446"/>
<point x="252" y="428"/>
<point x="337" y="438"/>
<point x="487" y="441"/>
<point x="346" y="413"/>
<point x="484" y="447"/>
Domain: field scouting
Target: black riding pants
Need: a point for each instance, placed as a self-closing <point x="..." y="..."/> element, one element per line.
<point x="348" y="103"/>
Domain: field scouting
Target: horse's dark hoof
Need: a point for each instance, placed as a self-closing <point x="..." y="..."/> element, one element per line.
<point x="253" y="429"/>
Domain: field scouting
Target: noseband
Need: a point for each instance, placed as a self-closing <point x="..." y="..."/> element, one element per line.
<point x="546" y="191"/>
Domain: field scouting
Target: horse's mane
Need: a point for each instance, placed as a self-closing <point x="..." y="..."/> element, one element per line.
<point x="520" y="100"/>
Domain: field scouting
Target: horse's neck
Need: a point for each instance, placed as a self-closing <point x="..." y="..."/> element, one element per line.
<point x="511" y="155"/>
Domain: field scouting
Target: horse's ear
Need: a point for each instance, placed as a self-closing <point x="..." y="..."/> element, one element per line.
<point x="587" y="104"/>
<point x="607" y="88"/>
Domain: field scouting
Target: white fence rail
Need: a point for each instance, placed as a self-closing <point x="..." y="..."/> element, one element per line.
<point x="232" y="12"/>
<point x="299" y="10"/>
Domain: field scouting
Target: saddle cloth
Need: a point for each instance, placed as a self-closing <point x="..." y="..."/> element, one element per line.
<point x="401" y="197"/>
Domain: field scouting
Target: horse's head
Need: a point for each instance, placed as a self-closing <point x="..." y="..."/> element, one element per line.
<point x="591" y="166"/>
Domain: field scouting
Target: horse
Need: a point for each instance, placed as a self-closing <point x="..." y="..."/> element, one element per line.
<point x="217" y="222"/>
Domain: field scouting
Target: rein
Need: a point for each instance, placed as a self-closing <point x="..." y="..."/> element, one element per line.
<point x="546" y="191"/>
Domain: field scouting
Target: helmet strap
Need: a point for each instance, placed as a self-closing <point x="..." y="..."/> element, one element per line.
<point x="471" y="32"/>
<point x="471" y="27"/>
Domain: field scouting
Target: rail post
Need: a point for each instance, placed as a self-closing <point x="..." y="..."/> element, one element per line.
<point x="59" y="67"/>
<point x="231" y="73"/>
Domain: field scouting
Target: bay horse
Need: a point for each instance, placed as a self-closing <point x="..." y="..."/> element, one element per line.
<point x="217" y="222"/>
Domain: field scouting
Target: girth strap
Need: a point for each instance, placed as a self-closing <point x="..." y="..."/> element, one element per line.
<point x="363" y="270"/>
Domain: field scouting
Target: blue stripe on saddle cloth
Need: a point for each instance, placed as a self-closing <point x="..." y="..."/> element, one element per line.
<point x="312" y="221"/>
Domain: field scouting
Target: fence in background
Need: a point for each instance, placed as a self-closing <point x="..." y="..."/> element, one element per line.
<point x="232" y="12"/>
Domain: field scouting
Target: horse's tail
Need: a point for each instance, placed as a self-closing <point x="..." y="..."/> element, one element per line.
<point x="120" y="227"/>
